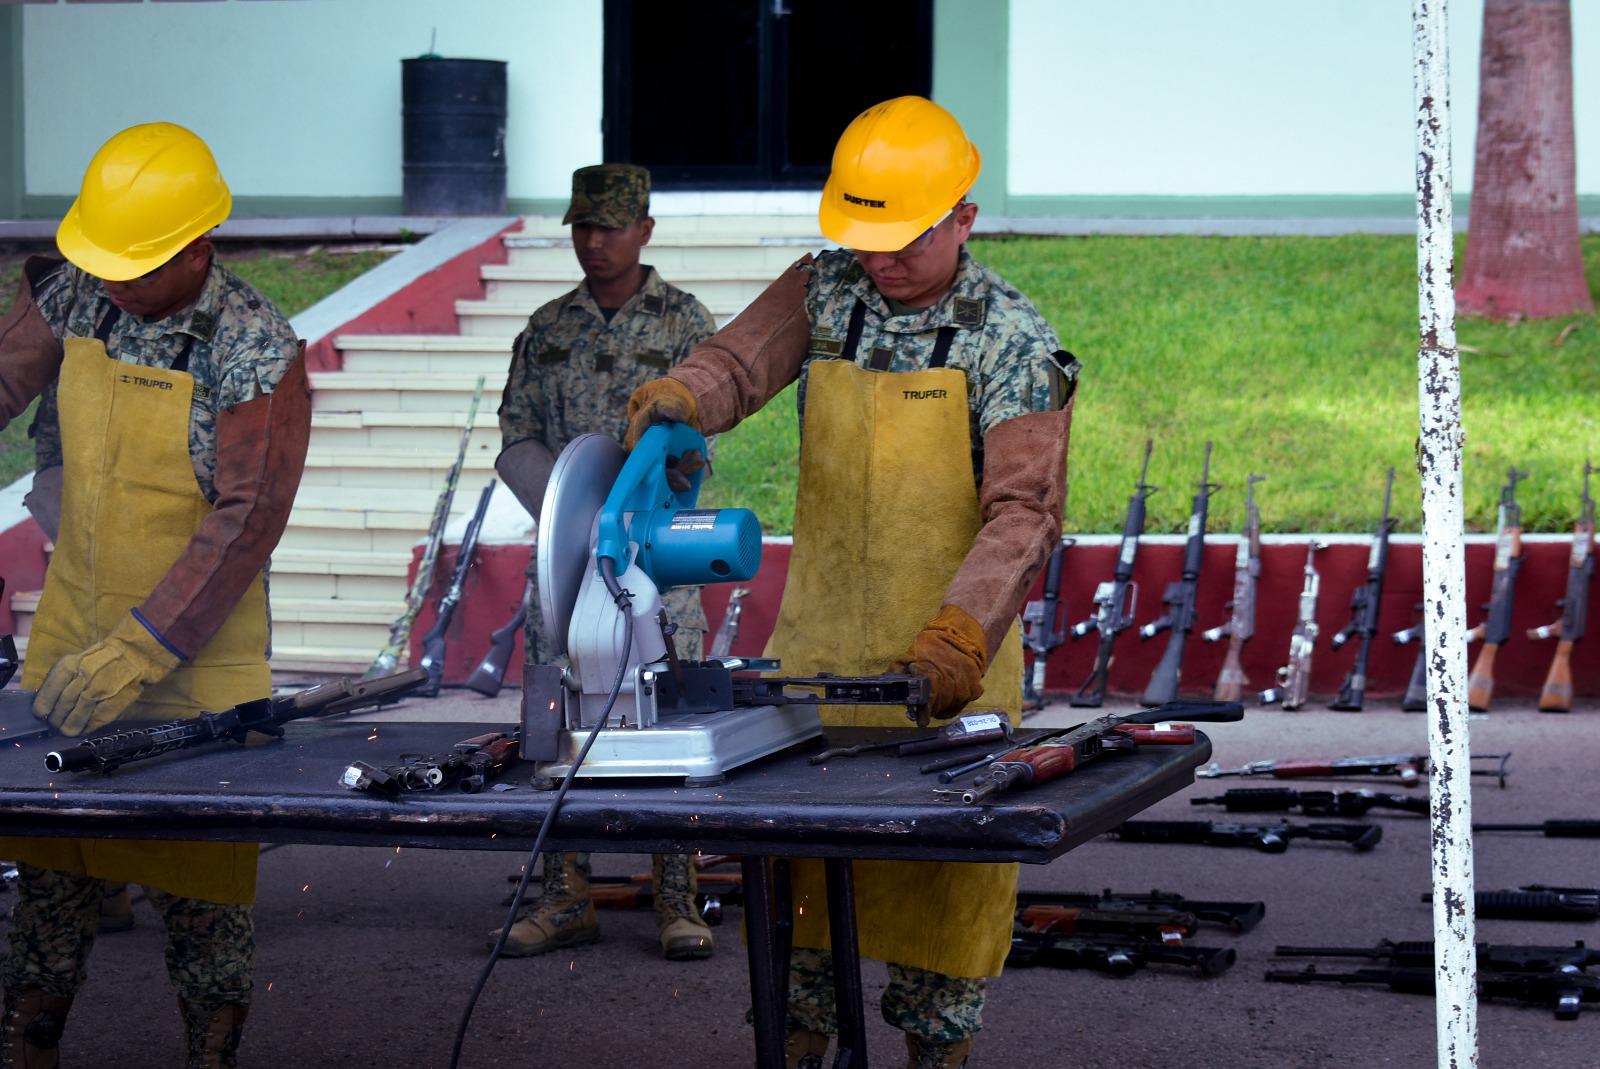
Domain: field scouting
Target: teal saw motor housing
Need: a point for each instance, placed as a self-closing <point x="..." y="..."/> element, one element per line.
<point x="678" y="544"/>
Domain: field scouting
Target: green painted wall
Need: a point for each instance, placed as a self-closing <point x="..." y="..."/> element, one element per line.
<point x="11" y="160"/>
<point x="970" y="49"/>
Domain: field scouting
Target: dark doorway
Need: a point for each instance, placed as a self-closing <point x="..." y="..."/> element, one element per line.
<point x="752" y="94"/>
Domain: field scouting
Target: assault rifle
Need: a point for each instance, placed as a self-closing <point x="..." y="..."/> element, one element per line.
<point x="1171" y="925"/>
<point x="1551" y="829"/>
<point x="1556" y="696"/>
<point x="399" y="644"/>
<point x="1115" y="602"/>
<point x="1416" y="696"/>
<point x="1313" y="803"/>
<point x="1241" y="625"/>
<point x="1496" y="628"/>
<point x="1408" y="767"/>
<point x="1491" y="957"/>
<point x="490" y="674"/>
<point x="1562" y="992"/>
<point x="106" y="753"/>
<point x="1294" y="678"/>
<point x="1119" y="957"/>
<point x="1537" y="902"/>
<point x="433" y="642"/>
<point x="469" y="765"/>
<point x="728" y="631"/>
<point x="1365" y="604"/>
<point x="1043" y="629"/>
<point x="1237" y="917"/>
<point x="1179" y="598"/>
<point x="1268" y="838"/>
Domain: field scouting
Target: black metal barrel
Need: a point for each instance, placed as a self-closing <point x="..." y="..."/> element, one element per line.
<point x="454" y="136"/>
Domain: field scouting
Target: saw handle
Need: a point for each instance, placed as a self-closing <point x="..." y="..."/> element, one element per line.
<point x="642" y="486"/>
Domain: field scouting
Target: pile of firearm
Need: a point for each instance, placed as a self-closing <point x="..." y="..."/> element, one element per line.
<point x="1116" y="604"/>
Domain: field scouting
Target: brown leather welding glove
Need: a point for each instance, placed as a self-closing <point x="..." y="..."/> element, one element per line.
<point x="659" y="401"/>
<point x="30" y="355"/>
<point x="952" y="652"/>
<point x="261" y="453"/>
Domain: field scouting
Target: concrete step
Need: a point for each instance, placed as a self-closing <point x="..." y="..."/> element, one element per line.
<point x="395" y="391"/>
<point x="688" y="229"/>
<point x="322" y="659"/>
<point x="347" y="611"/>
<point x="338" y="562"/>
<point x="732" y="259"/>
<point x="24" y="603"/>
<point x="381" y="507"/>
<point x="400" y="469"/>
<point x="535" y="286"/>
<point x="331" y="634"/>
<point x="336" y="588"/>
<point x="502" y="319"/>
<point x="433" y="353"/>
<point x="304" y="535"/>
<point x="429" y="432"/>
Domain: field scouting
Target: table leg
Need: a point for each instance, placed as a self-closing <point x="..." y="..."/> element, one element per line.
<point x="846" y="965"/>
<point x="782" y="929"/>
<point x="767" y="995"/>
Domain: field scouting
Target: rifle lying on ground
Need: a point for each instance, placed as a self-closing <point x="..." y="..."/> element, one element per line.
<point x="728" y="631"/>
<point x="1294" y="678"/>
<point x="1115" y="602"/>
<point x="1237" y="917"/>
<point x="1313" y="803"/>
<point x="1491" y="957"/>
<point x="1551" y="829"/>
<point x="1365" y="604"/>
<point x="1496" y="628"/>
<point x="399" y="644"/>
<point x="469" y="765"/>
<point x="490" y="674"/>
<point x="105" y="753"/>
<point x="1416" y="695"/>
<point x="1171" y="926"/>
<point x="1031" y="766"/>
<point x="1179" y="598"/>
<point x="1562" y="992"/>
<point x="1409" y="768"/>
<point x="1537" y="902"/>
<point x="1118" y="957"/>
<point x="1241" y="624"/>
<point x="1268" y="838"/>
<point x="1556" y="696"/>
<point x="433" y="642"/>
<point x="1043" y="629"/>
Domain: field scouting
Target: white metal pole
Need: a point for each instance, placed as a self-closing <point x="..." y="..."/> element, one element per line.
<point x="1443" y="569"/>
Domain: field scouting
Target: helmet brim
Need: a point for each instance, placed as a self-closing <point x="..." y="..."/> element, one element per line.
<point x="872" y="235"/>
<point x="111" y="266"/>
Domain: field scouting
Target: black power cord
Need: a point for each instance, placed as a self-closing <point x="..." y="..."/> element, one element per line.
<point x="625" y="603"/>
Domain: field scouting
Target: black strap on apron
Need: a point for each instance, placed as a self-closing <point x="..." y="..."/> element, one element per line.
<point x="941" y="346"/>
<point x="108" y="323"/>
<point x="852" y="337"/>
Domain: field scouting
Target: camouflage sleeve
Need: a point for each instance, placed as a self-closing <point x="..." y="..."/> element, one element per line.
<point x="45" y="430"/>
<point x="1024" y="370"/>
<point x="522" y="405"/>
<point x="253" y="364"/>
<point x="698" y="326"/>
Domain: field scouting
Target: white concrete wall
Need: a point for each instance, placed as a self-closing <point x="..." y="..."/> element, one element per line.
<point x="1174" y="97"/>
<point x="302" y="97"/>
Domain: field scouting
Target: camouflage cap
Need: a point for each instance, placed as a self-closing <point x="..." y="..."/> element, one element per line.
<point x="609" y="194"/>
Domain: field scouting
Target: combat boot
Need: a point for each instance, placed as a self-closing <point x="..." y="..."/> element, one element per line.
<point x="932" y="1054"/>
<point x="684" y="934"/>
<point x="32" y="1029"/>
<point x="116" y="908"/>
<point x="562" y="916"/>
<point x="805" y="1050"/>
<point x="211" y="1034"/>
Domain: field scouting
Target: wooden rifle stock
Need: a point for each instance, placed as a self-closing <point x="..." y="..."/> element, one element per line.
<point x="1480" y="685"/>
<point x="1231" y="681"/>
<point x="1556" y="696"/>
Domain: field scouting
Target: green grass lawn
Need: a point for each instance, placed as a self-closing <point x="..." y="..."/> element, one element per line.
<point x="294" y="281"/>
<point x="1296" y="356"/>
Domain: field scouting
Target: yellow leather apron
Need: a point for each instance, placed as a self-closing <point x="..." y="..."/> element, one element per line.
<point x="129" y="506"/>
<point x="886" y="512"/>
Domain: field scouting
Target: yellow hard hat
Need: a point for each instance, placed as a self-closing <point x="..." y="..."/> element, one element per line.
<point x="148" y="192"/>
<point x="899" y="168"/>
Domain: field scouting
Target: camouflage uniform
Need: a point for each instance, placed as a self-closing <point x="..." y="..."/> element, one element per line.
<point x="1014" y="366"/>
<point x="237" y="346"/>
<point x="572" y="372"/>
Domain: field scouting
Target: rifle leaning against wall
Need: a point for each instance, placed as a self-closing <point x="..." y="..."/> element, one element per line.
<point x="1365" y="605"/>
<point x="1043" y="629"/>
<point x="490" y="674"/>
<point x="1496" y="627"/>
<point x="1294" y="678"/>
<point x="1115" y="602"/>
<point x="1241" y="625"/>
<point x="105" y="753"/>
<point x="399" y="644"/>
<point x="1180" y="598"/>
<point x="728" y="631"/>
<point x="433" y="642"/>
<point x="1415" y="699"/>
<point x="1556" y="696"/>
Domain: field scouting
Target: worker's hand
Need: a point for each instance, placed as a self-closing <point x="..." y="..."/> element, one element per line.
<point x="86" y="691"/>
<point x="952" y="652"/>
<point x="681" y="470"/>
<point x="659" y="401"/>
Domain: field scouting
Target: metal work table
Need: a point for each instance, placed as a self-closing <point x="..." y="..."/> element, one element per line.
<point x="867" y="806"/>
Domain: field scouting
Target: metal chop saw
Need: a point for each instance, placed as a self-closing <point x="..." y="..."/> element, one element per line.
<point x="607" y="511"/>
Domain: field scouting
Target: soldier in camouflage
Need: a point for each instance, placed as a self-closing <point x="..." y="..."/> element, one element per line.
<point x="144" y="294"/>
<point x="904" y="299"/>
<point x="573" y="368"/>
